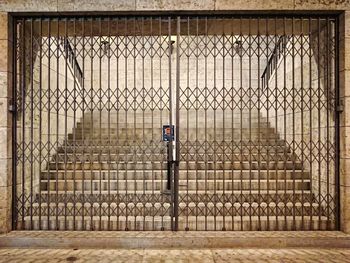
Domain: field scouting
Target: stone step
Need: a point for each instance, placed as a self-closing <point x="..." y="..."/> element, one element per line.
<point x="185" y="209"/>
<point x="101" y="148"/>
<point x="159" y="143"/>
<point x="245" y="113"/>
<point x="115" y="130"/>
<point x="158" y="192"/>
<point x="140" y="137"/>
<point x="159" y="185"/>
<point x="148" y="122"/>
<point x="184" y="165"/>
<point x="245" y="223"/>
<point x="234" y="196"/>
<point x="183" y="174"/>
<point x="156" y="157"/>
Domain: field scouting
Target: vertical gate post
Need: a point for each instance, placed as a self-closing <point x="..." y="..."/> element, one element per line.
<point x="177" y="139"/>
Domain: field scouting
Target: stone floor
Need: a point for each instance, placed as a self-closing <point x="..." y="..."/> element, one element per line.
<point x="146" y="255"/>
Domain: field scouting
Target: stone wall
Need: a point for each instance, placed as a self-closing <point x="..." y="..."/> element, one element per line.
<point x="51" y="109"/>
<point x="166" y="5"/>
<point x="304" y="112"/>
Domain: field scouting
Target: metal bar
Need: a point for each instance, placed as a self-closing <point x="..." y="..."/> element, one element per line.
<point x="187" y="118"/>
<point x="57" y="118"/>
<point x="170" y="157"/>
<point x="311" y="124"/>
<point x="143" y="119"/>
<point x="285" y="151"/>
<point x="241" y="146"/>
<point x="49" y="123"/>
<point x="31" y="121"/>
<point x="197" y="119"/>
<point x="153" y="152"/>
<point x="100" y="107"/>
<point x="135" y="108"/>
<point x="206" y="122"/>
<point x="223" y="228"/>
<point x="83" y="135"/>
<point x="250" y="120"/>
<point x="40" y="121"/>
<point x="276" y="95"/>
<point x="327" y="88"/>
<point x="23" y="96"/>
<point x="259" y="128"/>
<point x="92" y="128"/>
<point x="177" y="136"/>
<point x="109" y="107"/>
<point x="337" y="128"/>
<point x="267" y="146"/>
<point x="119" y="159"/>
<point x="15" y="159"/>
<point x="126" y="143"/>
<point x="302" y="119"/>
<point x="232" y="153"/>
<point x="319" y="156"/>
<point x="214" y="141"/>
<point x="74" y="132"/>
<point x="65" y="50"/>
<point x="162" y="107"/>
<point x="293" y="118"/>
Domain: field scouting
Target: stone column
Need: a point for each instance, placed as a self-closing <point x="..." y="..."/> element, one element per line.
<point x="5" y="122"/>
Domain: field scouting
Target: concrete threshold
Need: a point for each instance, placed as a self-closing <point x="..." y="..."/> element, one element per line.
<point x="168" y="240"/>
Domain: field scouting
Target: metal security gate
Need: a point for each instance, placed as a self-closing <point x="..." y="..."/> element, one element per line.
<point x="254" y="103"/>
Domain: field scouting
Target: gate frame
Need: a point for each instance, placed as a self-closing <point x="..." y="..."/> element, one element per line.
<point x="340" y="82"/>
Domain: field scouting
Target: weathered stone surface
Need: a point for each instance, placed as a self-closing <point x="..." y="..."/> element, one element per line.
<point x="91" y="5"/>
<point x="4" y="118"/>
<point x="345" y="209"/>
<point x="5" y="172"/>
<point x="5" y="142"/>
<point x="254" y="5"/>
<point x="3" y="55"/>
<point x="28" y="5"/>
<point x="4" y="92"/>
<point x="344" y="79"/>
<point x="322" y="4"/>
<point x="174" y="5"/>
<point x="344" y="172"/>
<point x="344" y="27"/>
<point x="3" y="26"/>
<point x="182" y="252"/>
<point x="344" y="142"/>
<point x="110" y="5"/>
<point x="345" y="115"/>
<point x="344" y="54"/>
<point x="5" y="208"/>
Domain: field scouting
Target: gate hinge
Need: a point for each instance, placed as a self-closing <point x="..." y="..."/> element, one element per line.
<point x="340" y="108"/>
<point x="12" y="108"/>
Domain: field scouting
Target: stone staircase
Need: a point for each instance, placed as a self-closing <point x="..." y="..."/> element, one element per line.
<point x="234" y="175"/>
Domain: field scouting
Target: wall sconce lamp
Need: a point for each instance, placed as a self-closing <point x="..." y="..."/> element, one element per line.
<point x="237" y="46"/>
<point x="105" y="46"/>
<point x="172" y="42"/>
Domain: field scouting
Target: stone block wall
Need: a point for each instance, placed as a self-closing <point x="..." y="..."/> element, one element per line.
<point x="5" y="122"/>
<point x="304" y="112"/>
<point x="47" y="113"/>
<point x="279" y="6"/>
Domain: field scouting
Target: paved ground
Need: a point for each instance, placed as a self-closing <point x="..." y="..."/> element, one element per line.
<point x="153" y="256"/>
